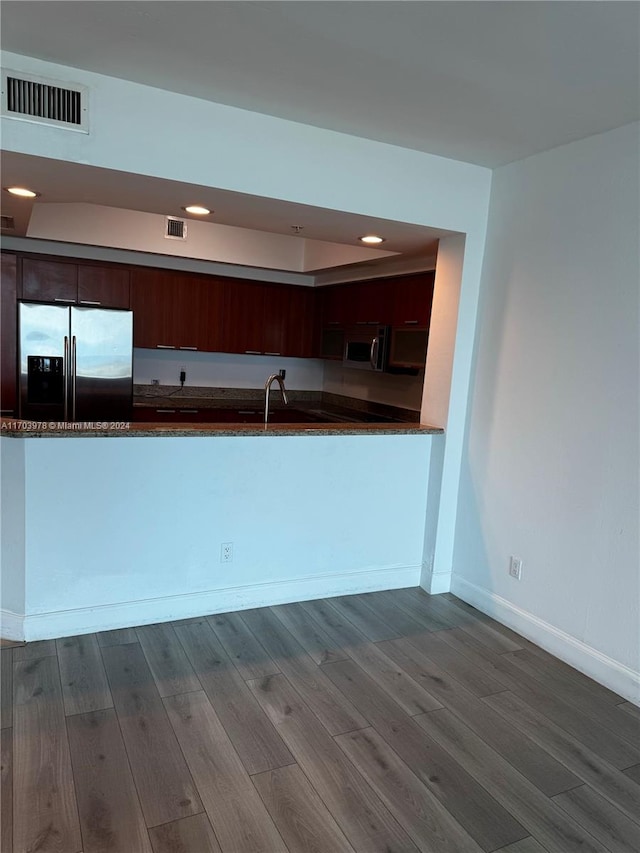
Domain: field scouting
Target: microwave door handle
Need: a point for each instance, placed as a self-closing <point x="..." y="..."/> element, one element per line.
<point x="66" y="378"/>
<point x="373" y="357"/>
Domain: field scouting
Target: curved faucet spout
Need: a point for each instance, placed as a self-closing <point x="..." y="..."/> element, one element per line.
<point x="275" y="377"/>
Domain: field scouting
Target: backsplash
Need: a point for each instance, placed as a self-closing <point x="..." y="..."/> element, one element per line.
<point x="224" y="370"/>
<point x="227" y="370"/>
<point x="394" y="390"/>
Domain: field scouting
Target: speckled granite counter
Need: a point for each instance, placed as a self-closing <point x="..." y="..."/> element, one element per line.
<point x="35" y="429"/>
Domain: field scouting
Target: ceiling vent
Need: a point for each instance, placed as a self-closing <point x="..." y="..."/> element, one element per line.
<point x="175" y="229"/>
<point x="37" y="99"/>
<point x="7" y="223"/>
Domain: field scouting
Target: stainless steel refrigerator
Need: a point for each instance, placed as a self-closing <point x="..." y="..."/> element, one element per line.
<point x="76" y="363"/>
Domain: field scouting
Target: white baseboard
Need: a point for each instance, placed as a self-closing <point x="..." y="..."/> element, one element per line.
<point x="603" y="669"/>
<point x="435" y="583"/>
<point x="86" y="620"/>
<point x="11" y="625"/>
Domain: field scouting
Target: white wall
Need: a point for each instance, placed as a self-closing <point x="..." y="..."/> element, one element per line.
<point x="224" y="370"/>
<point x="551" y="462"/>
<point x="124" y="531"/>
<point x="12" y="538"/>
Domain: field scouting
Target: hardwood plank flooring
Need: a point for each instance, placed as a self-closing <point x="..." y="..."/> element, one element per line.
<point x="474" y="809"/>
<point x="162" y="778"/>
<point x="187" y="835"/>
<point x="249" y="656"/>
<point x="84" y="682"/>
<point x="118" y="637"/>
<point x="364" y="819"/>
<point x="6" y="688"/>
<point x="6" y="789"/>
<point x="429" y="824"/>
<point x="328" y="703"/>
<point x="45" y="815"/>
<point x="384" y="722"/>
<point x="237" y="814"/>
<point x="110" y="814"/>
<point x="167" y="660"/>
<point x="616" y="831"/>
<point x="304" y="821"/>
<point x="633" y="773"/>
<point x="256" y="741"/>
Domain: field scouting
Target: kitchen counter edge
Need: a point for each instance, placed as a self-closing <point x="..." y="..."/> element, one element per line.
<point x="12" y="428"/>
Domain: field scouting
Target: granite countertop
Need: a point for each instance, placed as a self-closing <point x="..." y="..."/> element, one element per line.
<point x="35" y="429"/>
<point x="405" y="421"/>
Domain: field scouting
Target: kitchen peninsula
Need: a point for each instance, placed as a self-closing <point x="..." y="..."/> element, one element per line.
<point x="103" y="534"/>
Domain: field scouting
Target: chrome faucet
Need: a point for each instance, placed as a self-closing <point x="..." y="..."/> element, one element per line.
<point x="279" y="378"/>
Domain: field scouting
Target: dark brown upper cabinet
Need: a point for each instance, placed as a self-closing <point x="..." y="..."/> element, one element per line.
<point x="8" y="334"/>
<point x="103" y="287"/>
<point x="267" y="319"/>
<point x="176" y="311"/>
<point x="412" y="298"/>
<point x="49" y="281"/>
<point x="68" y="282"/>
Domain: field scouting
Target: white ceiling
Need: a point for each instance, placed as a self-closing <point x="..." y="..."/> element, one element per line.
<point x="483" y="82"/>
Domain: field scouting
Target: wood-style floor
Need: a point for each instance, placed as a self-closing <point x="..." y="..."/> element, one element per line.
<point x="380" y="723"/>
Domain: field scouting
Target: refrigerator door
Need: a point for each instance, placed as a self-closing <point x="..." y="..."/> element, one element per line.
<point x="101" y="364"/>
<point x="44" y="343"/>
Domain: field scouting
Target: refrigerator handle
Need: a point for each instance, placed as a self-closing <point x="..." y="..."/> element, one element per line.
<point x="73" y="378"/>
<point x="66" y="378"/>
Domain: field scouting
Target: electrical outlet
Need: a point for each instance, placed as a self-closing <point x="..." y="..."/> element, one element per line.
<point x="226" y="552"/>
<point x="515" y="568"/>
<point x="183" y="375"/>
<point x="155" y="381"/>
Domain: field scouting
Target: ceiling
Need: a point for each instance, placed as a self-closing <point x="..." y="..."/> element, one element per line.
<point x="482" y="82"/>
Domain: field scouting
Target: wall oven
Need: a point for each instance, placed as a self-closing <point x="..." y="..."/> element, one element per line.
<point x="367" y="348"/>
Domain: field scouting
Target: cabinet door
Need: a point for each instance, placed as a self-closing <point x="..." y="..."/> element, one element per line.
<point x="275" y="318"/>
<point x="8" y="333"/>
<point x="199" y="304"/>
<point x="299" y="323"/>
<point x="374" y="302"/>
<point x="49" y="281"/>
<point x="413" y="295"/>
<point x="243" y="319"/>
<point x="103" y="286"/>
<point x="153" y="303"/>
<point x="339" y="305"/>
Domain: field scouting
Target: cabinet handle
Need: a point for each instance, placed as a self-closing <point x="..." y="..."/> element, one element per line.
<point x="333" y="323"/>
<point x="165" y="346"/>
<point x="60" y="299"/>
<point x="373" y="322"/>
<point x="411" y="322"/>
<point x="190" y="348"/>
<point x="188" y="411"/>
<point x="247" y="412"/>
<point x="165" y="411"/>
<point x="273" y="353"/>
<point x="89" y="302"/>
<point x="252" y="352"/>
<point x="6" y="411"/>
<point x="361" y="322"/>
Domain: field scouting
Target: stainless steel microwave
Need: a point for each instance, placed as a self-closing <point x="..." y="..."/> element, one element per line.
<point x="367" y="348"/>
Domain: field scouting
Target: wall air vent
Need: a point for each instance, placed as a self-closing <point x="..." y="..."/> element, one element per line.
<point x="37" y="99"/>
<point x="175" y="229"/>
<point x="7" y="223"/>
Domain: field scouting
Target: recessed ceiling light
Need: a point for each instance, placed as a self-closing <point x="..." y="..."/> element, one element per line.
<point x="23" y="192"/>
<point x="197" y="209"/>
<point x="371" y="238"/>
